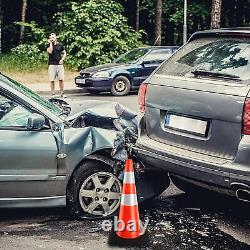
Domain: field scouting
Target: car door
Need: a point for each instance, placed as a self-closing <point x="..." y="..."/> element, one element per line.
<point x="27" y="158"/>
<point x="150" y="62"/>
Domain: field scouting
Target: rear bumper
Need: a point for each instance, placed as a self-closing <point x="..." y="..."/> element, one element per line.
<point x="218" y="173"/>
<point x="101" y="84"/>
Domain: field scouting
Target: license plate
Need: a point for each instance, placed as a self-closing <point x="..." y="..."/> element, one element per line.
<point x="79" y="80"/>
<point x="186" y="124"/>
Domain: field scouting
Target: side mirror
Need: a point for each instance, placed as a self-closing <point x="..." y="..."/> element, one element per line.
<point x="144" y="63"/>
<point x="35" y="122"/>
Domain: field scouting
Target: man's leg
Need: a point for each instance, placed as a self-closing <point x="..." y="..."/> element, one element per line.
<point x="52" y="87"/>
<point x="61" y="79"/>
<point x="61" y="85"/>
<point x="52" y="76"/>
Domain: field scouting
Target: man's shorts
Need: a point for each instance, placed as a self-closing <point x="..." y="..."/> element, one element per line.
<point x="56" y="71"/>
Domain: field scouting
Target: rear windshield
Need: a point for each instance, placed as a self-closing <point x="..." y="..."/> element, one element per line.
<point x="222" y="55"/>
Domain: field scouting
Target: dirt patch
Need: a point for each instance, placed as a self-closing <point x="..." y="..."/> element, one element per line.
<point x="40" y="76"/>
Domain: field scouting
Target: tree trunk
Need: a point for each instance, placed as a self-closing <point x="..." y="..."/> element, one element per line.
<point x="158" y="15"/>
<point x="23" y="18"/>
<point x="216" y="14"/>
<point x="137" y="15"/>
<point x="239" y="7"/>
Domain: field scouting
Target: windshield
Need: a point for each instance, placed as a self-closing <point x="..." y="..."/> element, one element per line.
<point x="218" y="55"/>
<point x="131" y="56"/>
<point x="29" y="93"/>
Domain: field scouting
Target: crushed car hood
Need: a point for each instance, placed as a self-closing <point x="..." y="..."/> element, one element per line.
<point x="99" y="108"/>
<point x="101" y="120"/>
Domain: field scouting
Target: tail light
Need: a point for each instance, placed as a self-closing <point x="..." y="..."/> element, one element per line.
<point x="246" y="117"/>
<point x="142" y="96"/>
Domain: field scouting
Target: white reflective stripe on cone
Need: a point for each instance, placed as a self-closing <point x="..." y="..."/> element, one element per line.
<point x="129" y="177"/>
<point x="129" y="200"/>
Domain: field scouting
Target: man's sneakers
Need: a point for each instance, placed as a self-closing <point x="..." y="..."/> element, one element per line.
<point x="63" y="95"/>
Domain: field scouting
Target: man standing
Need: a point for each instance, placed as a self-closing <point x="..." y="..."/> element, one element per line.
<point x="57" y="55"/>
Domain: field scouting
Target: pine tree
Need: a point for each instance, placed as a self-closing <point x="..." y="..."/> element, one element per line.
<point x="158" y="16"/>
<point x="23" y="18"/>
<point x="137" y="15"/>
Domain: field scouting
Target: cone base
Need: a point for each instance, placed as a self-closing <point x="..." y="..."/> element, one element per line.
<point x="116" y="241"/>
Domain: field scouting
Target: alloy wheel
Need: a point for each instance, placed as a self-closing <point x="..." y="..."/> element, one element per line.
<point x="100" y="194"/>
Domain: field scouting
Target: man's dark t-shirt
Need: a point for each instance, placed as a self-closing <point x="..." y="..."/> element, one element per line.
<point x="56" y="55"/>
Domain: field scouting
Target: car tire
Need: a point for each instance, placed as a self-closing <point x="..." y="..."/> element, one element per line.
<point x="188" y="188"/>
<point x="120" y="86"/>
<point x="88" y="191"/>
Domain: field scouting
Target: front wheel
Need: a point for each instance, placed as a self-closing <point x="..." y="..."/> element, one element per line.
<point x="120" y="86"/>
<point x="94" y="191"/>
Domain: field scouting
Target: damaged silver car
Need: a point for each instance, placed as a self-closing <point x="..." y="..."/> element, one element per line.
<point x="57" y="153"/>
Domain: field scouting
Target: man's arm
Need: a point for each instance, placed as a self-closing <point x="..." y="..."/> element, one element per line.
<point x="64" y="54"/>
<point x="50" y="48"/>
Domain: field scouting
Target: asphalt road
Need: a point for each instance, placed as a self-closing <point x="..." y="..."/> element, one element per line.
<point x="129" y="101"/>
<point x="176" y="220"/>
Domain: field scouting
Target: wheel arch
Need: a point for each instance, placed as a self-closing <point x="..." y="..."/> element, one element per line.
<point x="125" y="74"/>
<point x="102" y="155"/>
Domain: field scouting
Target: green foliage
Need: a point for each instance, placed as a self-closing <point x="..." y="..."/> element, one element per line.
<point x="94" y="32"/>
<point x="34" y="34"/>
<point x="198" y="17"/>
<point x="29" y="51"/>
<point x="198" y="13"/>
<point x="87" y="29"/>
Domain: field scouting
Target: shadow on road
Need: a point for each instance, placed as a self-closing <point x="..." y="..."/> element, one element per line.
<point x="106" y="94"/>
<point x="31" y="213"/>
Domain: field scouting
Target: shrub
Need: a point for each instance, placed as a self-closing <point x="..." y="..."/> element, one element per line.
<point x="30" y="52"/>
<point x="94" y="32"/>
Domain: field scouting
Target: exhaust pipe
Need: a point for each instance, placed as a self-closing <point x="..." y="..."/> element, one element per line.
<point x="243" y="195"/>
<point x="242" y="191"/>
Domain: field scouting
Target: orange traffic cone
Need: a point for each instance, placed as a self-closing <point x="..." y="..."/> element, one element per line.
<point x="129" y="211"/>
<point x="122" y="234"/>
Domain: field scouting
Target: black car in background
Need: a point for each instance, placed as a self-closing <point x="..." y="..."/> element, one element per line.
<point x="126" y="72"/>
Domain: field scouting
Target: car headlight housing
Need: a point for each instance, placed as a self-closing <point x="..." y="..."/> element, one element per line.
<point x="101" y="74"/>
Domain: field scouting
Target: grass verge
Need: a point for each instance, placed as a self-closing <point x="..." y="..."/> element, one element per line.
<point x="28" y="71"/>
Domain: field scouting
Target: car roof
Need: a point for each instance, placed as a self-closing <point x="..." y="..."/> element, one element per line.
<point x="159" y="47"/>
<point x="237" y="32"/>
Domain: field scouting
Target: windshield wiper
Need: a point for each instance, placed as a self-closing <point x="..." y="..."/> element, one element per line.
<point x="215" y="74"/>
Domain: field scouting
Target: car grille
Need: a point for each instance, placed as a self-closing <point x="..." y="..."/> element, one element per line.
<point x="85" y="74"/>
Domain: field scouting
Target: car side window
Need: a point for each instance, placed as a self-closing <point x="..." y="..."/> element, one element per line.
<point x="158" y="55"/>
<point x="12" y="114"/>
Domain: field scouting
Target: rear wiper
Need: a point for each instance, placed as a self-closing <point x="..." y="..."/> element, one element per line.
<point x="215" y="74"/>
